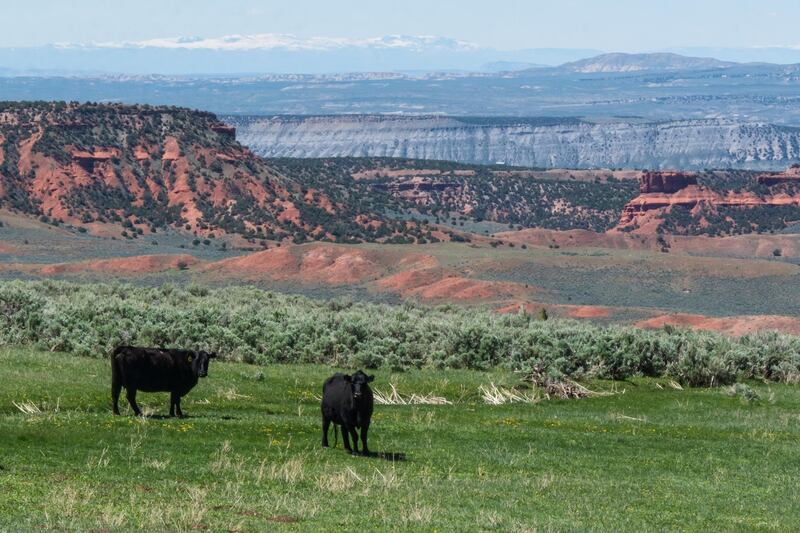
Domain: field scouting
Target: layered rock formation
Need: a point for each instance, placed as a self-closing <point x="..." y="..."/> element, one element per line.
<point x="792" y="175"/>
<point x="666" y="182"/>
<point x="662" y="191"/>
<point x="685" y="144"/>
<point x="417" y="189"/>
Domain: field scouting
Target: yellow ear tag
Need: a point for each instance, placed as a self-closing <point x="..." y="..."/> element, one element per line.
<point x="190" y="358"/>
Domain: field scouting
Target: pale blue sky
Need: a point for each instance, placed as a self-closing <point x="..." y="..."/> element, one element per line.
<point x="611" y="25"/>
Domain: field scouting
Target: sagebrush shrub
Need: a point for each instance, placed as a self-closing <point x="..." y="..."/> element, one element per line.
<point x="261" y="327"/>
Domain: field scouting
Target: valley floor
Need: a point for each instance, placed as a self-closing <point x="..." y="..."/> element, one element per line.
<point x="248" y="457"/>
<point x="735" y="285"/>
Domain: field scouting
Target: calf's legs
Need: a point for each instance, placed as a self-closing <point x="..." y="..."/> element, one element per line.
<point x="355" y="440"/>
<point x="364" y="448"/>
<point x="346" y="438"/>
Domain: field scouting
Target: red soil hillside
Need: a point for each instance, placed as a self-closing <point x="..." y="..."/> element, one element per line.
<point x="145" y="168"/>
<point x="122" y="266"/>
<point x="327" y="264"/>
<point x="410" y="275"/>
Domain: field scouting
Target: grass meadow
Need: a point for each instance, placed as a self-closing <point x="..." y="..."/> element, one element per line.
<point x="649" y="456"/>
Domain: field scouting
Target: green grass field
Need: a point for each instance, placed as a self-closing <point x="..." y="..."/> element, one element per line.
<point x="247" y="458"/>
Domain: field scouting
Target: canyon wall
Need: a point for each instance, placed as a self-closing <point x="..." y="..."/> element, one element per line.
<point x="684" y="144"/>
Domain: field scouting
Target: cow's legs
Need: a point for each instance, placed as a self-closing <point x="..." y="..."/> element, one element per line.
<point x="355" y="439"/>
<point x="326" y="424"/>
<point x="131" y="394"/>
<point x="116" y="388"/>
<point x="175" y="404"/>
<point x="346" y="437"/>
<point x="364" y="448"/>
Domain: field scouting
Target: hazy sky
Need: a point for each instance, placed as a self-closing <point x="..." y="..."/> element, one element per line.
<point x="611" y="25"/>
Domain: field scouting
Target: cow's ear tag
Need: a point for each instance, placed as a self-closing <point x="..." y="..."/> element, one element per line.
<point x="190" y="358"/>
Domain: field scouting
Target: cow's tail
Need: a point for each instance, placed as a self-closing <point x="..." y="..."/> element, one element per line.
<point x="118" y="350"/>
<point x="116" y="372"/>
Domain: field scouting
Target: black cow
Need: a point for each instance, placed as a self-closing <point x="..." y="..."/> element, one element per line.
<point x="156" y="370"/>
<point x="347" y="401"/>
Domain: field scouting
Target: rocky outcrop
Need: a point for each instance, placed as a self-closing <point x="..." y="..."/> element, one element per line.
<point x="665" y="182"/>
<point x="417" y="189"/>
<point x="684" y="144"/>
<point x="792" y="175"/>
<point x="224" y="129"/>
<point x="663" y="191"/>
<point x="87" y="160"/>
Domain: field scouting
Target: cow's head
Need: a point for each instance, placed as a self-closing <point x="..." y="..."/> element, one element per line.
<point x="199" y="361"/>
<point x="359" y="383"/>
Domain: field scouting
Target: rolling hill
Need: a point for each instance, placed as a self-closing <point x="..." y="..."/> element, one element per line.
<point x="618" y="62"/>
<point x="149" y="168"/>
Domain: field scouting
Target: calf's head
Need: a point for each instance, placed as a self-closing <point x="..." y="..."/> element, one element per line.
<point x="199" y="361"/>
<point x="359" y="383"/>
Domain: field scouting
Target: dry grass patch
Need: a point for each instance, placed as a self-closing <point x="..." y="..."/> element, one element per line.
<point x="339" y="481"/>
<point x="395" y="398"/>
<point x="230" y="394"/>
<point x="494" y="395"/>
<point x="418" y="514"/>
<point x="291" y="471"/>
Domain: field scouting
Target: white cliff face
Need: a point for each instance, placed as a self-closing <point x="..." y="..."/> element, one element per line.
<point x="686" y="144"/>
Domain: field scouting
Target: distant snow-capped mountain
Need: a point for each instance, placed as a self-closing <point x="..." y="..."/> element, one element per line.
<point x="275" y="53"/>
<point x="281" y="41"/>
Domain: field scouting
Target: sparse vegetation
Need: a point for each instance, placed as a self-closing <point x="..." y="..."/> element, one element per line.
<point x="472" y="192"/>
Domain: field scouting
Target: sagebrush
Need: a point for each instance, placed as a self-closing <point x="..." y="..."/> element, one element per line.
<point x="261" y="327"/>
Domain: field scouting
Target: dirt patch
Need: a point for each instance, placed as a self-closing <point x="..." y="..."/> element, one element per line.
<point x="6" y="248"/>
<point x="269" y="263"/>
<point x="172" y="149"/>
<point x="137" y="265"/>
<point x="456" y="288"/>
<point x="335" y="265"/>
<point x="735" y="325"/>
<point x="283" y="519"/>
<point x="588" y="312"/>
<point x="437" y="284"/>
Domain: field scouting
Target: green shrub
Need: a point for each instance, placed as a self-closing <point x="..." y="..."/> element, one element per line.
<point x="260" y="327"/>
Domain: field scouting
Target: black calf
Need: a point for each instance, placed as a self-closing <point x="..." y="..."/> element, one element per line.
<point x="347" y="401"/>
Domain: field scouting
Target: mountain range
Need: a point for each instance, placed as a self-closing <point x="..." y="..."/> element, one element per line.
<point x="291" y="54"/>
<point x="272" y="53"/>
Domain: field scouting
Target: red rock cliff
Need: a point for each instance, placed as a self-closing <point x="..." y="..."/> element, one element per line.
<point x="667" y="182"/>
